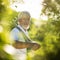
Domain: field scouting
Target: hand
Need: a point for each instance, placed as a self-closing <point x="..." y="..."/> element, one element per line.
<point x="35" y="46"/>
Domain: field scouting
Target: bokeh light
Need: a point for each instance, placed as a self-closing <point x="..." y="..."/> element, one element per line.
<point x="1" y="29"/>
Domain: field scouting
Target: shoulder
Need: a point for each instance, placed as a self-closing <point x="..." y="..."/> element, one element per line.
<point x="15" y="34"/>
<point x="15" y="30"/>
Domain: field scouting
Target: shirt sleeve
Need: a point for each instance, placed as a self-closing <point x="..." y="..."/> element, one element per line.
<point x="17" y="35"/>
<point x="14" y="34"/>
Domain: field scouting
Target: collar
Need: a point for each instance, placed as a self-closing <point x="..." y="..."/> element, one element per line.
<point x="22" y="29"/>
<point x="25" y="32"/>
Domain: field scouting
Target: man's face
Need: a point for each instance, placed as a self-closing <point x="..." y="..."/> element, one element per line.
<point x="24" y="22"/>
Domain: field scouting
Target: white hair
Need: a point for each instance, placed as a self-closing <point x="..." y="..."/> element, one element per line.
<point x="23" y="14"/>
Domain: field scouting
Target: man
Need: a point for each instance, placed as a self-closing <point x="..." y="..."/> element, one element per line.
<point x="20" y="42"/>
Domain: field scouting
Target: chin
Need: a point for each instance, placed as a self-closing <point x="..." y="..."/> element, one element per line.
<point x="26" y="27"/>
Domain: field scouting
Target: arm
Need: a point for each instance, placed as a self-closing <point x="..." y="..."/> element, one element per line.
<point x="21" y="45"/>
<point x="16" y="36"/>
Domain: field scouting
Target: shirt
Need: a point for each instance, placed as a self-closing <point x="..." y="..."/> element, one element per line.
<point x="20" y="54"/>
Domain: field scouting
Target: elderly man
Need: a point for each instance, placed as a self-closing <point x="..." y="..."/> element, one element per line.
<point x="18" y="34"/>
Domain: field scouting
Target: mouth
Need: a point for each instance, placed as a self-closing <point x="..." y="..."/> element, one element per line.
<point x="26" y="27"/>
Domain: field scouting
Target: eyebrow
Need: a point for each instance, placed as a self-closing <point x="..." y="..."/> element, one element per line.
<point x="26" y="18"/>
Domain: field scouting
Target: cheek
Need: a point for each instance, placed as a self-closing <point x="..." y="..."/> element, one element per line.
<point x="21" y="22"/>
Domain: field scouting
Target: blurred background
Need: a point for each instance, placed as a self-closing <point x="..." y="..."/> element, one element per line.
<point x="44" y="27"/>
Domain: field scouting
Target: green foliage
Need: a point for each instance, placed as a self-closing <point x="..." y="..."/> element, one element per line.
<point x="7" y="22"/>
<point x="49" y="34"/>
<point x="46" y="34"/>
<point x="48" y="37"/>
<point x="4" y="55"/>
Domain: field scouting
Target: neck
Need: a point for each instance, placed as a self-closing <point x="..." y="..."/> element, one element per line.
<point x="23" y="27"/>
